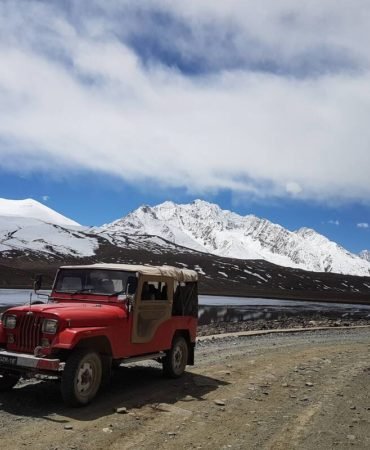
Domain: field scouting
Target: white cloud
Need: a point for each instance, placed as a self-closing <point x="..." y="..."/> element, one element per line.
<point x="73" y="96"/>
<point x="45" y="198"/>
<point x="363" y="225"/>
<point x="293" y="188"/>
<point x="334" y="222"/>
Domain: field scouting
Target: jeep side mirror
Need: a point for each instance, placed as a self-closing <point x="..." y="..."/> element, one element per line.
<point x="37" y="283"/>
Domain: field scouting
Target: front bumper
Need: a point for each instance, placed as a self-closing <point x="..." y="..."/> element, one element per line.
<point x="24" y="361"/>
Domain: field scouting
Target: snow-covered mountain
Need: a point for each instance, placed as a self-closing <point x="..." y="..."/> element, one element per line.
<point x="33" y="235"/>
<point x="30" y="228"/>
<point x="34" y="230"/>
<point x="206" y="227"/>
<point x="30" y="208"/>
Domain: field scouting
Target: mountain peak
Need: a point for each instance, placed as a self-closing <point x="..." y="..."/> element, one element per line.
<point x="167" y="204"/>
<point x="307" y="232"/>
<point x="30" y="208"/>
<point x="201" y="202"/>
<point x="204" y="204"/>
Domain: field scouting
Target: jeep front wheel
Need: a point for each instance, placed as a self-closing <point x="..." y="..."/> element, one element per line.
<point x="8" y="381"/>
<point x="176" y="359"/>
<point x="81" y="377"/>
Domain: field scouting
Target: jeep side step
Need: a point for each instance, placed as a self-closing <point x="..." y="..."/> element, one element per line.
<point x="142" y="358"/>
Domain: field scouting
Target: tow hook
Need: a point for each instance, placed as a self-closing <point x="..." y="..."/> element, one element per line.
<point x="39" y="351"/>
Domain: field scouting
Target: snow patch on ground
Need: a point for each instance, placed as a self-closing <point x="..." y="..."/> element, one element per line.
<point x="199" y="270"/>
<point x="255" y="275"/>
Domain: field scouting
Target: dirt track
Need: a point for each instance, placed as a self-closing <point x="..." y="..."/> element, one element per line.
<point x="301" y="390"/>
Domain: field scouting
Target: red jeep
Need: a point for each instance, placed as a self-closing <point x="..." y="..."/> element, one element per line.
<point x="97" y="317"/>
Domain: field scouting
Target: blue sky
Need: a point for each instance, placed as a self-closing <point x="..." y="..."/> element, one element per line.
<point x="259" y="106"/>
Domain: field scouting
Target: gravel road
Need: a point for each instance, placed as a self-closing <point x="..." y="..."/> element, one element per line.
<point x="282" y="391"/>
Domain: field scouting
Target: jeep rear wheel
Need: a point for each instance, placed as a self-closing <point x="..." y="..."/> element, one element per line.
<point x="8" y="381"/>
<point x="81" y="378"/>
<point x="176" y="359"/>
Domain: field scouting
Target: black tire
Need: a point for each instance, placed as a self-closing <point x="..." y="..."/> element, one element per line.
<point x="82" y="377"/>
<point x="116" y="364"/>
<point x="106" y="370"/>
<point x="175" y="361"/>
<point x="8" y="381"/>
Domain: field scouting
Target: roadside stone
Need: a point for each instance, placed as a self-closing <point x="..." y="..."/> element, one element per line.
<point x="122" y="410"/>
<point x="219" y="402"/>
<point x="351" y="437"/>
<point x="285" y="385"/>
<point x="172" y="433"/>
<point x="309" y="384"/>
<point x="107" y="430"/>
<point x="68" y="427"/>
<point x="165" y="407"/>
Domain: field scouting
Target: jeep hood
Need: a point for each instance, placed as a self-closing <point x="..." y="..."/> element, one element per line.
<point x="77" y="314"/>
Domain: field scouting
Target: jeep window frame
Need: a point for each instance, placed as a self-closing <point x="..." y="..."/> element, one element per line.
<point x="85" y="288"/>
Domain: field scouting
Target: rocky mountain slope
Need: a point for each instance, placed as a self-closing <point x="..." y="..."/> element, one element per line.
<point x="206" y="227"/>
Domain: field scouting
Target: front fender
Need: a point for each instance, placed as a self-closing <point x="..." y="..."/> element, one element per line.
<point x="70" y="337"/>
<point x="2" y="334"/>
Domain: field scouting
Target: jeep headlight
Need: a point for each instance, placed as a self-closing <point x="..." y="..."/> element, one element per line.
<point x="9" y="321"/>
<point x="50" y="326"/>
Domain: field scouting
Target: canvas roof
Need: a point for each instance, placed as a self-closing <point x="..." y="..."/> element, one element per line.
<point x="165" y="271"/>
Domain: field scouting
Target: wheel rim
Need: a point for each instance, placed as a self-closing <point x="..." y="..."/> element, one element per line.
<point x="178" y="358"/>
<point x="86" y="379"/>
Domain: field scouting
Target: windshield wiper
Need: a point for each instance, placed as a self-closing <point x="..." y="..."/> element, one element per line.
<point x="81" y="291"/>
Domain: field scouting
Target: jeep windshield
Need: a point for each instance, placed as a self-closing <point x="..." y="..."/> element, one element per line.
<point x="95" y="282"/>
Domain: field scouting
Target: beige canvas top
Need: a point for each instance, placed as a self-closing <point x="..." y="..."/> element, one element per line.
<point x="164" y="271"/>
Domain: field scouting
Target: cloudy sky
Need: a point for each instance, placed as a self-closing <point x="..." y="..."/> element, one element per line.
<point x="258" y="105"/>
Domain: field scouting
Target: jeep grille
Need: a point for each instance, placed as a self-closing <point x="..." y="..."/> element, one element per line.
<point x="29" y="335"/>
